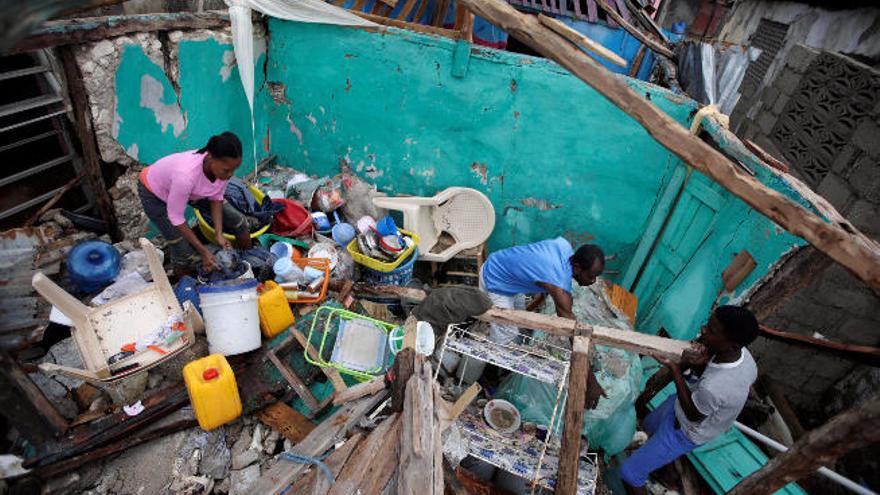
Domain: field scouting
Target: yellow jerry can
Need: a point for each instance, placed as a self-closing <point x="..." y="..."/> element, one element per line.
<point x="212" y="391"/>
<point x="275" y="313"/>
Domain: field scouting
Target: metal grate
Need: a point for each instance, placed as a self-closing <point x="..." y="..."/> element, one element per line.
<point x="769" y="37"/>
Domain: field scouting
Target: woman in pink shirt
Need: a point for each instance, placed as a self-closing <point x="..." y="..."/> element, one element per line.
<point x="197" y="178"/>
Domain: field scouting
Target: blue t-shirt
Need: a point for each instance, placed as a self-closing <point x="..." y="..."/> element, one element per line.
<point x="515" y="270"/>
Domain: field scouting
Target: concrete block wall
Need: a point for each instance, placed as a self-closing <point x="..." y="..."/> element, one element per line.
<point x="836" y="305"/>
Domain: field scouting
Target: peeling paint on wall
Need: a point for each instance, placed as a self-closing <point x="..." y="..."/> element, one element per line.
<point x="540" y="204"/>
<point x="166" y="113"/>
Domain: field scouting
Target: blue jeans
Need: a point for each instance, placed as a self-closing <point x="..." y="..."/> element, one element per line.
<point x="666" y="444"/>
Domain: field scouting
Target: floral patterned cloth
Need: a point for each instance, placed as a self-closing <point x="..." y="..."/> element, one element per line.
<point x="545" y="369"/>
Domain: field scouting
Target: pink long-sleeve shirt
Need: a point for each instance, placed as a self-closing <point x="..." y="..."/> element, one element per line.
<point x="178" y="179"/>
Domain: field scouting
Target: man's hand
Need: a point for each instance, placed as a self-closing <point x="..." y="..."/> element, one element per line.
<point x="223" y="242"/>
<point x="692" y="358"/>
<point x="672" y="365"/>
<point x="594" y="391"/>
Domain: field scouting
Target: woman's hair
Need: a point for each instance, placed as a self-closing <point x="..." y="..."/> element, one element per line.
<point x="225" y="145"/>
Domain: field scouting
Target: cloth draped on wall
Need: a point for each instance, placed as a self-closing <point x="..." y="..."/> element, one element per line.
<point x="316" y="11"/>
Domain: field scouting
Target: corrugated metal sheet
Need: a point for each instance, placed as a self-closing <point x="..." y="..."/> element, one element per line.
<point x="24" y="315"/>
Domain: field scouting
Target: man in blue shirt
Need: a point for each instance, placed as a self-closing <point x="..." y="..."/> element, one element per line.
<point x="545" y="267"/>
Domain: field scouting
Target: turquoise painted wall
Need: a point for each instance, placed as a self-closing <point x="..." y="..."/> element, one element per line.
<point x="211" y="101"/>
<point x="552" y="154"/>
<point x="415" y="114"/>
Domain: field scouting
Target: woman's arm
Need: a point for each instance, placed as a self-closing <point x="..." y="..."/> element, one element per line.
<point x="217" y="216"/>
<point x="208" y="261"/>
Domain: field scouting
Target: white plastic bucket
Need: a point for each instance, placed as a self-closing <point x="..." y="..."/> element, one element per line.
<point x="232" y="321"/>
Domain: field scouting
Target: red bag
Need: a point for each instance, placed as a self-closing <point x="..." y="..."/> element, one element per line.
<point x="293" y="221"/>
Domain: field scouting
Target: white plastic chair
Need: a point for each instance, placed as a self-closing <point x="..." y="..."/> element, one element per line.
<point x="465" y="214"/>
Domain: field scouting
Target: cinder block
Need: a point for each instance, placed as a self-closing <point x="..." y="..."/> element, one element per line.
<point x="836" y="190"/>
<point x="771" y="94"/>
<point x="787" y="81"/>
<point x="867" y="137"/>
<point x="843" y="162"/>
<point x="859" y="331"/>
<point x="866" y="217"/>
<point x="766" y="121"/>
<point x="800" y="57"/>
<point x="864" y="177"/>
<point x="779" y="104"/>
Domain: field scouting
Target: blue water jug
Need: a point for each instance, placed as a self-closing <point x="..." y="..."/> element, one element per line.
<point x="93" y="265"/>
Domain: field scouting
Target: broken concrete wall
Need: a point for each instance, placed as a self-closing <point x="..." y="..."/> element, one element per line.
<point x="416" y="114"/>
<point x="854" y="32"/>
<point x="822" y="116"/>
<point x="153" y="94"/>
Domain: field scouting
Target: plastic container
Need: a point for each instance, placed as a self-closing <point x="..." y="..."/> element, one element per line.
<point x="381" y="266"/>
<point x="212" y="391"/>
<point x="282" y="250"/>
<point x="232" y="320"/>
<point x="322" y="223"/>
<point x="342" y="232"/>
<point x="322" y="264"/>
<point x="93" y="265"/>
<point x="275" y="313"/>
<point x="286" y="271"/>
<point x="208" y="230"/>
<point x="398" y="276"/>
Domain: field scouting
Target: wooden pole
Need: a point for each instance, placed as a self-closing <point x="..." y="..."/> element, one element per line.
<point x="83" y="124"/>
<point x="651" y="43"/>
<point x="858" y="253"/>
<point x="25" y="406"/>
<point x="573" y="420"/>
<point x="86" y="29"/>
<point x="582" y="41"/>
<point x="419" y="436"/>
<point x="464" y="23"/>
<point x="847" y="431"/>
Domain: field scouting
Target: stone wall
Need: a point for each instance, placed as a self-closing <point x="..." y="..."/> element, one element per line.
<point x="820" y="115"/>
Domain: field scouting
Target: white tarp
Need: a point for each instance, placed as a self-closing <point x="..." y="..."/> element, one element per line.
<point x="316" y="11"/>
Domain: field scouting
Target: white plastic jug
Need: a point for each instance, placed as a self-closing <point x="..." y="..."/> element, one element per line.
<point x="286" y="271"/>
<point x="232" y="320"/>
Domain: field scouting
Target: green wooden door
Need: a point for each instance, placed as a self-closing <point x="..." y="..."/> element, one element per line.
<point x="687" y="227"/>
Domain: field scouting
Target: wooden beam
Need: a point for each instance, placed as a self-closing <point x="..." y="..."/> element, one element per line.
<point x="464" y="23"/>
<point x="861" y="353"/>
<point x="55" y="198"/>
<point x="850" y="430"/>
<point x="295" y="382"/>
<point x="419" y="28"/>
<point x="368" y="387"/>
<point x="25" y="406"/>
<point x="369" y="463"/>
<point x="418" y="438"/>
<point x="573" y="420"/>
<point x="774" y="392"/>
<point x="738" y="269"/>
<point x="313" y="482"/>
<point x="625" y="339"/>
<point x="87" y="29"/>
<point x="402" y="370"/>
<point x="650" y="42"/>
<point x="580" y="40"/>
<point x="843" y="243"/>
<point x="287" y="421"/>
<point x="84" y="131"/>
<point x="325" y="435"/>
<point x="793" y="274"/>
<point x="464" y="400"/>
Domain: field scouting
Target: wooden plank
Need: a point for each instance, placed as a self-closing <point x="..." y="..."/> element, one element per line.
<point x="440" y="10"/>
<point x="860" y="353"/>
<point x="404" y="12"/>
<point x="402" y="370"/>
<point x="625" y="339"/>
<point x="82" y="120"/>
<point x="573" y="420"/>
<point x="464" y="23"/>
<point x="650" y="42"/>
<point x="796" y="272"/>
<point x="313" y="481"/>
<point x="738" y="269"/>
<point x="299" y="386"/>
<point x="287" y="421"/>
<point x="368" y="387"/>
<point x="369" y="462"/>
<point x="283" y="473"/>
<point x="417" y="438"/>
<point x="845" y="432"/>
<point x="25" y="406"/>
<point x="332" y="374"/>
<point x="637" y="62"/>
<point x="774" y="391"/>
<point x="842" y="242"/>
<point x="419" y="28"/>
<point x="464" y="400"/>
<point x="581" y="40"/>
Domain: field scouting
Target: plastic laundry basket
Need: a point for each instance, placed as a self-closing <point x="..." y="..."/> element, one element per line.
<point x="399" y="276"/>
